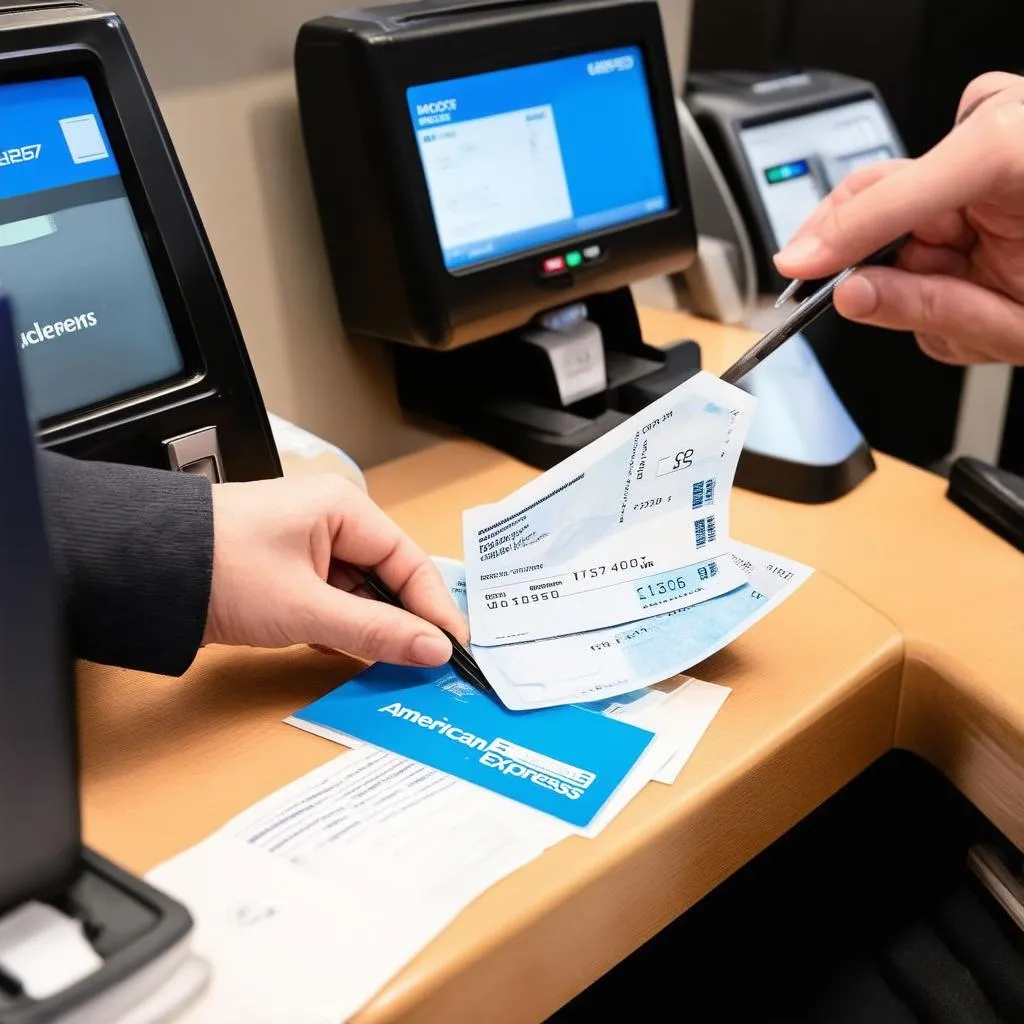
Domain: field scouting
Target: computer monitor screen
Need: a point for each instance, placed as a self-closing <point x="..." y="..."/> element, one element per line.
<point x="797" y="161"/>
<point x="526" y="157"/>
<point x="90" y="321"/>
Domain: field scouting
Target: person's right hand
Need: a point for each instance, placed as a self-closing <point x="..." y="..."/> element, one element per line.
<point x="958" y="284"/>
<point x="289" y="556"/>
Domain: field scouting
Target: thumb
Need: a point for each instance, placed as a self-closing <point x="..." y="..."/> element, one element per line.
<point x="324" y="616"/>
<point x="977" y="325"/>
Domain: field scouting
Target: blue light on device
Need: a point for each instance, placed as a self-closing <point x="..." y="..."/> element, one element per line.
<point x="787" y="172"/>
<point x="525" y="157"/>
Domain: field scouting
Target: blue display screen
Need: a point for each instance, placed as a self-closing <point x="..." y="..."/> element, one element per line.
<point x="529" y="156"/>
<point x="89" y="316"/>
<point x="52" y="135"/>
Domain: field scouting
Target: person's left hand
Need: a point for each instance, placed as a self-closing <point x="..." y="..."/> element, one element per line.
<point x="284" y="553"/>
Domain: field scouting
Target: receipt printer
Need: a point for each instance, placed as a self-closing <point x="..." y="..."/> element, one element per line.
<point x="490" y="178"/>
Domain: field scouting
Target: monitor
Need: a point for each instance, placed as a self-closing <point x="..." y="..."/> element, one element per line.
<point x="129" y="344"/>
<point x="498" y="159"/>
<point x="528" y="157"/>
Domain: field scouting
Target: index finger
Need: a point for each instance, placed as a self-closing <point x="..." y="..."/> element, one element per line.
<point x="367" y="537"/>
<point x="947" y="178"/>
<point x="853" y="184"/>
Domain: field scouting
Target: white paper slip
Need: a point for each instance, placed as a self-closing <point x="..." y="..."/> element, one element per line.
<point x="607" y="662"/>
<point x="678" y="715"/>
<point x="604" y="663"/>
<point x="44" y="950"/>
<point x="310" y="901"/>
<point x="631" y="526"/>
<point x="689" y="715"/>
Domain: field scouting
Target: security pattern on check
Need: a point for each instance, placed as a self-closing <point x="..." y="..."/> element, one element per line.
<point x="607" y="663"/>
<point x="634" y="525"/>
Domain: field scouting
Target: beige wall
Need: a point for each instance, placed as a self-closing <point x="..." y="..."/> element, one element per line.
<point x="222" y="73"/>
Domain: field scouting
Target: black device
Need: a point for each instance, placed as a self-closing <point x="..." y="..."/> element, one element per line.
<point x="477" y="164"/>
<point x="40" y="812"/>
<point x="127" y="337"/>
<point x="784" y="141"/>
<point x="993" y="496"/>
<point x="131" y="925"/>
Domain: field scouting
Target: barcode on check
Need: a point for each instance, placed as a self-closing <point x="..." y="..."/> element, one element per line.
<point x="704" y="531"/>
<point x="703" y="493"/>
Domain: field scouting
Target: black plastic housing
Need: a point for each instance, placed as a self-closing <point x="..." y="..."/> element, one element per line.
<point x="219" y="387"/>
<point x="352" y="70"/>
<point x="992" y="496"/>
<point x="39" y="809"/>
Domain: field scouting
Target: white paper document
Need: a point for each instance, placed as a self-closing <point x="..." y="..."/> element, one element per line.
<point x="633" y="525"/>
<point x="308" y="902"/>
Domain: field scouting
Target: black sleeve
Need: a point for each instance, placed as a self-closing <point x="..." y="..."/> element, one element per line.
<point x="133" y="550"/>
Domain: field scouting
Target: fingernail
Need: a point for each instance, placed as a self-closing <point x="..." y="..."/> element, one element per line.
<point x="800" y="250"/>
<point x="857" y="297"/>
<point x="430" y="649"/>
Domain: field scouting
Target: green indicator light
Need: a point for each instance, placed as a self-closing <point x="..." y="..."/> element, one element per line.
<point x="573" y="259"/>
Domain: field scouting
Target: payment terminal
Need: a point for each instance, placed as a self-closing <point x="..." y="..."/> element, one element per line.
<point x="490" y="178"/>
<point x="127" y="338"/>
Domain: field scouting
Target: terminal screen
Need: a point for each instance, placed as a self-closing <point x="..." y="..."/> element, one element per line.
<point x="524" y="157"/>
<point x="90" y="322"/>
<point x="796" y="162"/>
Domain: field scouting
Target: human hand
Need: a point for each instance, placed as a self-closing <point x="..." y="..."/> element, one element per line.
<point x="958" y="283"/>
<point x="284" y="558"/>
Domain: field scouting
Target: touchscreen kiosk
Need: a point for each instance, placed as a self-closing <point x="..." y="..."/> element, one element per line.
<point x="127" y="339"/>
<point x="481" y="166"/>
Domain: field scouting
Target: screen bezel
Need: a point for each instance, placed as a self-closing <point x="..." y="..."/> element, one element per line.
<point x="569" y="241"/>
<point x="480" y="296"/>
<point x="82" y="61"/>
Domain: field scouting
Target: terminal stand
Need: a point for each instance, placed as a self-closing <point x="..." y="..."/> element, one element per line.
<point x="505" y="391"/>
<point x="107" y="949"/>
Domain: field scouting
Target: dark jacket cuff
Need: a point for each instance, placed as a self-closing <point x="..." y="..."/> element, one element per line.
<point x="133" y="550"/>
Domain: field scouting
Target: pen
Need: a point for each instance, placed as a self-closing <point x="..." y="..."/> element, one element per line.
<point x="461" y="660"/>
<point x="805" y="314"/>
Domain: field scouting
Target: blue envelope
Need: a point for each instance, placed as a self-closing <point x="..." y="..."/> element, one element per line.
<point x="565" y="761"/>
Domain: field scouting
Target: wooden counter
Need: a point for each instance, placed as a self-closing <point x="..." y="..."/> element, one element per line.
<point x="909" y="634"/>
